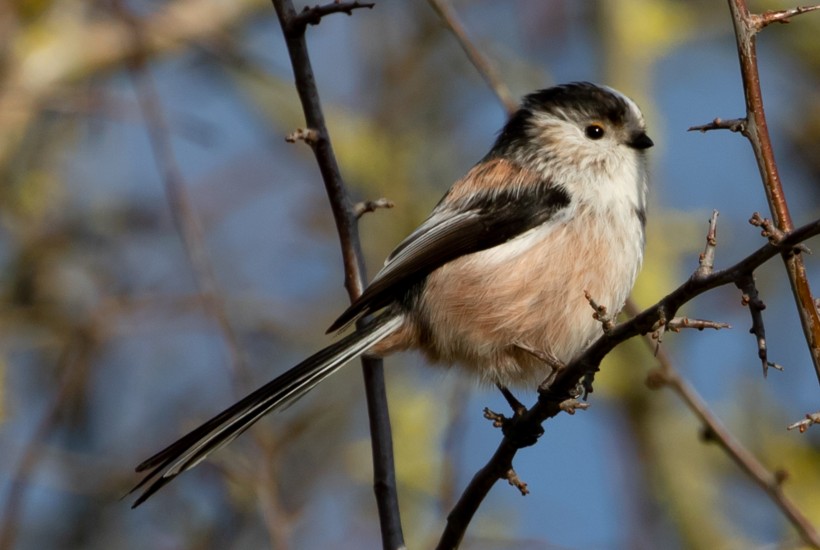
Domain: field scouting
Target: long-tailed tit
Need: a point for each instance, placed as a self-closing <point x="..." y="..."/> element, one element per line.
<point x="494" y="280"/>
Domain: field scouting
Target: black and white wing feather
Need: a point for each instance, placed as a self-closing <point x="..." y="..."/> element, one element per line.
<point x="456" y="228"/>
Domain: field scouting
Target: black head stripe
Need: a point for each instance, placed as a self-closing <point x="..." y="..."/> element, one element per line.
<point x="589" y="100"/>
<point x="581" y="101"/>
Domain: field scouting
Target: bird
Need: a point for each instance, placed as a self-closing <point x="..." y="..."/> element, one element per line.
<point x="496" y="280"/>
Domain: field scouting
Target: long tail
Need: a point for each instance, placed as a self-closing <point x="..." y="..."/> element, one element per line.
<point x="217" y="432"/>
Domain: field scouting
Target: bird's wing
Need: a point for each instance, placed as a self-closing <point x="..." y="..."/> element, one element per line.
<point x="464" y="222"/>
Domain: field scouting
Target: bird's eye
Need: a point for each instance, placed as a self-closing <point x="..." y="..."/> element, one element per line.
<point x="594" y="131"/>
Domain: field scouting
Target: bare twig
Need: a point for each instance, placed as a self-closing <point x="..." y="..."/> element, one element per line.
<point x="566" y="380"/>
<point x="362" y="208"/>
<point x="314" y="15"/>
<point x="771" y="482"/>
<point x="752" y="299"/>
<point x="746" y="25"/>
<point x="571" y="405"/>
<point x="803" y="425"/>
<point x="515" y="481"/>
<point x="346" y="225"/>
<point x="678" y="323"/>
<point x="733" y="125"/>
<point x="706" y="261"/>
<point x="771" y="232"/>
<point x="600" y="313"/>
<point x="766" y="18"/>
<point x="308" y="135"/>
<point x="482" y="64"/>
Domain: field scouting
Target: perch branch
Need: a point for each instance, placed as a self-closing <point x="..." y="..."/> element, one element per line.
<point x="346" y="225"/>
<point x="563" y="387"/>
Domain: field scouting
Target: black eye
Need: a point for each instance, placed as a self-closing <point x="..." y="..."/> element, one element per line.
<point x="594" y="131"/>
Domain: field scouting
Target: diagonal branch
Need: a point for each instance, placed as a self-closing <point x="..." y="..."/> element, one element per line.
<point x="771" y="482"/>
<point x="346" y="225"/>
<point x="550" y="400"/>
<point x="482" y="64"/>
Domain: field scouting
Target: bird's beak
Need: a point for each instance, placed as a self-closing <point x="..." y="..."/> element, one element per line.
<point x="641" y="141"/>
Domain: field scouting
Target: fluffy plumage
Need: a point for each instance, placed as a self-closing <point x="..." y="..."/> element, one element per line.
<point x="494" y="280"/>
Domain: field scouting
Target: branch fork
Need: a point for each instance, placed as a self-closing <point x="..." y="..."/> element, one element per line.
<point x="773" y="233"/>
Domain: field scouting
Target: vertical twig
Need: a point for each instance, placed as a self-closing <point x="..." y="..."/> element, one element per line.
<point x="346" y="224"/>
<point x="746" y="25"/>
<point x="182" y="212"/>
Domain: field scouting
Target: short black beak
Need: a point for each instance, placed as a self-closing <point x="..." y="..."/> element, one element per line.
<point x="641" y="141"/>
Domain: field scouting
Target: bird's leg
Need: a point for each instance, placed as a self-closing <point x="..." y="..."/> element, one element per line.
<point x="516" y="405"/>
<point x="548" y="359"/>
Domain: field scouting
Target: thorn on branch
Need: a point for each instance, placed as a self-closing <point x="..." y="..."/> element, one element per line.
<point x="362" y="208"/>
<point x="314" y="15"/>
<point x="751" y="298"/>
<point x="513" y="479"/>
<point x="733" y="125"/>
<point x="308" y="135"/>
<point x="497" y="419"/>
<point x="763" y="20"/>
<point x="600" y="313"/>
<point x="571" y="405"/>
<point x="706" y="261"/>
<point x="773" y="233"/>
<point x="806" y="423"/>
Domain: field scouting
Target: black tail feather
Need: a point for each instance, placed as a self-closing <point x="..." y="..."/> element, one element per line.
<point x="192" y="448"/>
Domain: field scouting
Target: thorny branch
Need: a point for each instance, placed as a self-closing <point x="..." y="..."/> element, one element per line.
<point x="771" y="482"/>
<point x="563" y="387"/>
<point x="751" y="298"/>
<point x="347" y="228"/>
<point x="746" y="26"/>
<point x="462" y="513"/>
